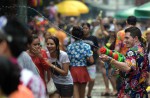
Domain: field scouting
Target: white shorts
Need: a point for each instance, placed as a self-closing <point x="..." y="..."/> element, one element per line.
<point x="92" y="71"/>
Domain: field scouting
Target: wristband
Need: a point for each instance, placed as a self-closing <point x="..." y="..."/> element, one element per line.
<point x="111" y="61"/>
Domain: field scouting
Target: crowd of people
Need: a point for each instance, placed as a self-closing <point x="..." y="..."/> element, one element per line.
<point x="60" y="59"/>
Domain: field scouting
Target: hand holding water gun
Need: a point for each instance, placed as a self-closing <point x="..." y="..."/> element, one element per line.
<point x="112" y="54"/>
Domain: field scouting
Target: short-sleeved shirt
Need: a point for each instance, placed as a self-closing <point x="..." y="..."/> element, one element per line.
<point x="134" y="85"/>
<point x="93" y="42"/>
<point x="34" y="83"/>
<point x="25" y="61"/>
<point x="40" y="63"/>
<point x="78" y="53"/>
<point x="31" y="81"/>
<point x="120" y="42"/>
<point x="22" y="92"/>
<point x="58" y="78"/>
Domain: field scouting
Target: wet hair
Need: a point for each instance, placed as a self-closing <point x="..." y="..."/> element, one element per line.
<point x="32" y="38"/>
<point x="106" y="26"/>
<point x="77" y="32"/>
<point x="9" y="76"/>
<point x="15" y="33"/>
<point x="131" y="20"/>
<point x="135" y="31"/>
<point x="87" y="24"/>
<point x="56" y="41"/>
<point x="121" y="23"/>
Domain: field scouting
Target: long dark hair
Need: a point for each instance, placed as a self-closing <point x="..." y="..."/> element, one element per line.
<point x="32" y="37"/>
<point x="87" y="24"/>
<point x="56" y="41"/>
<point x="9" y="76"/>
<point x="77" y="32"/>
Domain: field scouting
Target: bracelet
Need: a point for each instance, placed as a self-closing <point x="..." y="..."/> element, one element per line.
<point x="111" y="61"/>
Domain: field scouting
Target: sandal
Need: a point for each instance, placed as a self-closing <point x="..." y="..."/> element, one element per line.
<point x="89" y="97"/>
<point x="105" y="94"/>
<point x="113" y="94"/>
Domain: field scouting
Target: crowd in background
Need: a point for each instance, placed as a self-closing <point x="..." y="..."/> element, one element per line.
<point x="65" y="50"/>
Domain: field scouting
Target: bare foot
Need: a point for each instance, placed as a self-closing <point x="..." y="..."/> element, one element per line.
<point x="114" y="93"/>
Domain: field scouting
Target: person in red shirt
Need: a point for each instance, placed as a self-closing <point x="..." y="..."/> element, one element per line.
<point x="38" y="56"/>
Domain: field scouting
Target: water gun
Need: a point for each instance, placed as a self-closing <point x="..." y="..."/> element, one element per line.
<point x="114" y="54"/>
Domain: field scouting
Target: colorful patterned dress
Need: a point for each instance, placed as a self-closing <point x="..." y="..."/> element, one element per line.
<point x="134" y="85"/>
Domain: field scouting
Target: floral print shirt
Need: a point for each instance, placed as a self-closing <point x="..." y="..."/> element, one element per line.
<point x="78" y="53"/>
<point x="134" y="85"/>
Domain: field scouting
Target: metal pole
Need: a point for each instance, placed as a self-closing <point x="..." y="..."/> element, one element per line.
<point x="22" y="10"/>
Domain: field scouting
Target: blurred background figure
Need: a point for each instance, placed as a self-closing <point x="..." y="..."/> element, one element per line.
<point x="91" y="67"/>
<point x="146" y="36"/>
<point x="79" y="54"/>
<point x="52" y="12"/>
<point x="10" y="86"/>
<point x="13" y="41"/>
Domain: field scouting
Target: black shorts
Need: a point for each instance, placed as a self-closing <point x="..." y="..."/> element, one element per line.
<point x="64" y="90"/>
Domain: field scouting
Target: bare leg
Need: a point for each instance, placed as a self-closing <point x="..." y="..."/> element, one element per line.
<point x="76" y="90"/>
<point x="106" y="81"/>
<point x="90" y="87"/>
<point x="82" y="90"/>
<point x="113" y="83"/>
<point x="55" y="95"/>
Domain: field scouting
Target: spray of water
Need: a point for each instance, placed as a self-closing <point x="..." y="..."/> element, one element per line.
<point x="49" y="22"/>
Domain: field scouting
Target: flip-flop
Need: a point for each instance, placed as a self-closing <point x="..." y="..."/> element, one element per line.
<point x="111" y="94"/>
<point x="89" y="97"/>
<point x="105" y="94"/>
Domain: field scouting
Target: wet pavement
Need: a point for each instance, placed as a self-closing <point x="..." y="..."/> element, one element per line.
<point x="99" y="87"/>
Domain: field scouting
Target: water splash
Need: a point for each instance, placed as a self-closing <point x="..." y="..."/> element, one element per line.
<point x="49" y="22"/>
